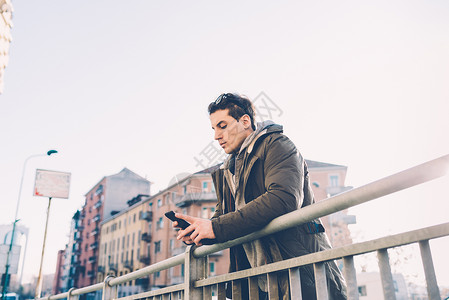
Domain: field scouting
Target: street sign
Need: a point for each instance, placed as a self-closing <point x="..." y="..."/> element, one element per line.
<point x="52" y="184"/>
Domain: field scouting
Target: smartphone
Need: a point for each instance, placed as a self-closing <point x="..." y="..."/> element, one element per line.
<point x="183" y="224"/>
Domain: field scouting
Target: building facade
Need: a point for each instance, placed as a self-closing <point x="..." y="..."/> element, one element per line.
<point x="141" y="235"/>
<point x="328" y="180"/>
<point x="107" y="197"/>
<point x="58" y="281"/>
<point x="370" y="286"/>
<point x="6" y="10"/>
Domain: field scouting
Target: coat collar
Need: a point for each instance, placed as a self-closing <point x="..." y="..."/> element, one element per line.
<point x="262" y="129"/>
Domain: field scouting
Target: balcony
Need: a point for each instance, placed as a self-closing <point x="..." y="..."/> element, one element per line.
<point x="176" y="280"/>
<point x="95" y="231"/>
<point x="94" y="245"/>
<point x="190" y="198"/>
<point x="90" y="274"/>
<point x="146" y="237"/>
<point x="148" y="216"/>
<point x="113" y="267"/>
<point x="97" y="204"/>
<point x="101" y="269"/>
<point x="97" y="218"/>
<point x="92" y="259"/>
<point x="128" y="264"/>
<point x="145" y="259"/>
<point x="143" y="282"/>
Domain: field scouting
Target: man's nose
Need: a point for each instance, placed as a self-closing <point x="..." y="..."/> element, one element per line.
<point x="217" y="135"/>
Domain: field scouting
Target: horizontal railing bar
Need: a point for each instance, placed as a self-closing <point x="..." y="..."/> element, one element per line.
<point x="166" y="290"/>
<point x="396" y="240"/>
<point x="413" y="176"/>
<point x="159" y="266"/>
<point x="58" y="296"/>
<point x="87" y="289"/>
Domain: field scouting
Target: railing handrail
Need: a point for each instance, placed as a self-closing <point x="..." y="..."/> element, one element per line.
<point x="413" y="176"/>
<point x="399" y="181"/>
<point x="391" y="241"/>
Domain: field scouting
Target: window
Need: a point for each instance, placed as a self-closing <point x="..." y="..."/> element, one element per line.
<point x="172" y="243"/>
<point x="159" y="202"/>
<point x="205" y="184"/>
<point x="204" y="213"/>
<point x="333" y="180"/>
<point x="362" y="290"/>
<point x="134" y="236"/>
<point x="134" y="218"/>
<point x="212" y="268"/>
<point x="160" y="223"/>
<point x="151" y="206"/>
<point x="157" y="275"/>
<point x="157" y="247"/>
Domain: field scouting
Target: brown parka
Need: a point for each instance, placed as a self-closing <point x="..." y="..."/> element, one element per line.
<point x="266" y="179"/>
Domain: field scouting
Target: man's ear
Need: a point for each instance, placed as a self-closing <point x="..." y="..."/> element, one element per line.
<point x="246" y="121"/>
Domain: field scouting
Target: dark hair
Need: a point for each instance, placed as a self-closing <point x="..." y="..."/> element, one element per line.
<point x="237" y="105"/>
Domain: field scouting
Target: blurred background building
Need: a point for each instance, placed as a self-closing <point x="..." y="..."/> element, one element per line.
<point x="6" y="10"/>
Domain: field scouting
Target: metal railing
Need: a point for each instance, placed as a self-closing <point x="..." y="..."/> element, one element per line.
<point x="197" y="285"/>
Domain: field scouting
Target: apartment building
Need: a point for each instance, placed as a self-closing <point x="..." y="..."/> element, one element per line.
<point x="107" y="197"/>
<point x="6" y="10"/>
<point x="67" y="271"/>
<point x="328" y="180"/>
<point x="141" y="235"/>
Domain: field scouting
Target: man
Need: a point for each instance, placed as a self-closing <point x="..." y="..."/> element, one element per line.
<point x="263" y="178"/>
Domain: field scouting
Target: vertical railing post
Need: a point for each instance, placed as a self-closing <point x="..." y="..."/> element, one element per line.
<point x="432" y="286"/>
<point x="195" y="269"/>
<point x="320" y="281"/>
<point x="109" y="292"/>
<point x="351" y="278"/>
<point x="295" y="283"/>
<point x="71" y="296"/>
<point x="385" y="274"/>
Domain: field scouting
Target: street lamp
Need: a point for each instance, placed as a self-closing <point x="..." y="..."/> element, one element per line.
<point x="5" y="284"/>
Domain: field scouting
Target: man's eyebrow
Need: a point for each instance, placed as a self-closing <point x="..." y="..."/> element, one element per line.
<point x="218" y="124"/>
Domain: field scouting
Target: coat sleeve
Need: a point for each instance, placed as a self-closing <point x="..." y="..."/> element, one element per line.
<point x="283" y="182"/>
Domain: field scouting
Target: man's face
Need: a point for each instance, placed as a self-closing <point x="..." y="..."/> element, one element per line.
<point x="229" y="132"/>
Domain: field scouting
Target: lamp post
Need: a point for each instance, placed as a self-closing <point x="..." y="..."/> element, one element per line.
<point x="5" y="284"/>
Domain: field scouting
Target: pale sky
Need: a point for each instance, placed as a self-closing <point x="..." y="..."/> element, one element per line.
<point x="113" y="84"/>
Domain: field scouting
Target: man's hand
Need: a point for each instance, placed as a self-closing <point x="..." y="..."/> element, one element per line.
<point x="199" y="229"/>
